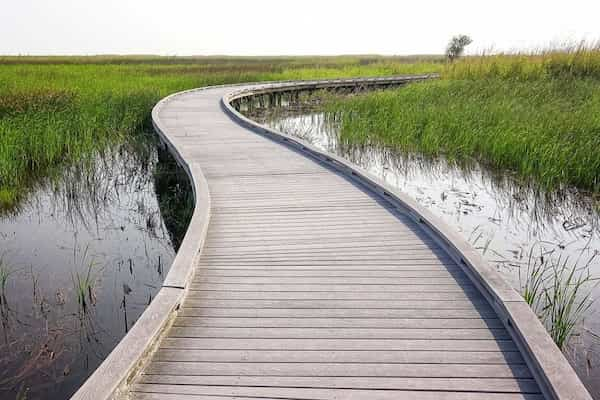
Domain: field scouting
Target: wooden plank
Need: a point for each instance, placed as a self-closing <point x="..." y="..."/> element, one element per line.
<point x="368" y="241"/>
<point x="328" y="280"/>
<point x="387" y="313"/>
<point x="338" y="333"/>
<point x="324" y="295"/>
<point x="356" y="288"/>
<point x="336" y="263"/>
<point x="339" y="268"/>
<point x="380" y="236"/>
<point x="332" y="304"/>
<point x="345" y="369"/>
<point x="338" y="357"/>
<point x="335" y="344"/>
<point x="490" y="385"/>
<point x="404" y="323"/>
<point x="314" y="273"/>
<point x="348" y="395"/>
<point x="393" y="252"/>
<point x="346" y="244"/>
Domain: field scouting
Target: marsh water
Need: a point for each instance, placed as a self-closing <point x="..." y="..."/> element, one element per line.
<point x="514" y="225"/>
<point x="83" y="256"/>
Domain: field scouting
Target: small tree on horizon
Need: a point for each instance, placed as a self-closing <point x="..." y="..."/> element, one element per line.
<point x="456" y="46"/>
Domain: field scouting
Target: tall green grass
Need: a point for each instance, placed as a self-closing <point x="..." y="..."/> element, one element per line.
<point x="536" y="115"/>
<point x="574" y="61"/>
<point x="55" y="111"/>
<point x="559" y="291"/>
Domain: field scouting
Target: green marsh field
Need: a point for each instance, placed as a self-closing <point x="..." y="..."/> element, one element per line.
<point x="533" y="116"/>
<point x="537" y="116"/>
<point x="55" y="111"/>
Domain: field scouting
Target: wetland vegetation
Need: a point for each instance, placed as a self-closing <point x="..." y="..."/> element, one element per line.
<point x="505" y="147"/>
<point x="91" y="209"/>
<point x="56" y="110"/>
<point x="534" y="115"/>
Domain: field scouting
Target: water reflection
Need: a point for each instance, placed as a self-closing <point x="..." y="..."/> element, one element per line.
<point x="85" y="257"/>
<point x="506" y="219"/>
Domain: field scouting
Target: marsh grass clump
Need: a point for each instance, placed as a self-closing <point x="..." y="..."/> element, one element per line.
<point x="4" y="275"/>
<point x="532" y="286"/>
<point x="35" y="100"/>
<point x="84" y="283"/>
<point x="559" y="292"/>
<point x="84" y="288"/>
<point x="515" y="113"/>
<point x="566" y="299"/>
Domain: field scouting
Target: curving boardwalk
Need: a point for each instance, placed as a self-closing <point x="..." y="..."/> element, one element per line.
<point x="312" y="284"/>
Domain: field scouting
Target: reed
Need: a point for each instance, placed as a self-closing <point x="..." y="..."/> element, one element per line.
<point x="571" y="61"/>
<point x="84" y="283"/>
<point x="558" y="291"/>
<point x="567" y="299"/>
<point x="4" y="275"/>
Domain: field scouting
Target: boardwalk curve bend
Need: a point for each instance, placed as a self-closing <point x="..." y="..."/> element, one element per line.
<point x="303" y="277"/>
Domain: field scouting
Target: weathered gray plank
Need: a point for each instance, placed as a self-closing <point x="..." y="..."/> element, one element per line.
<point x="351" y="304"/>
<point x="324" y="273"/>
<point x="345" y="369"/>
<point x="356" y="288"/>
<point x="324" y="295"/>
<point x="337" y="313"/>
<point x="405" y="323"/>
<point x="335" y="344"/>
<point x="347" y="394"/>
<point x="309" y="393"/>
<point x="338" y="333"/>
<point x="495" y="385"/>
<point x="318" y="356"/>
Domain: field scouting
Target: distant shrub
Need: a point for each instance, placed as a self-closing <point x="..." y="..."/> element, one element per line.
<point x="456" y="46"/>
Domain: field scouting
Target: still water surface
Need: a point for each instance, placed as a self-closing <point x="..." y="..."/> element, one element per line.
<point x="99" y="222"/>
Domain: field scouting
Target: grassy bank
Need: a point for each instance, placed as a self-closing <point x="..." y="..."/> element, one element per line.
<point x="57" y="110"/>
<point x="537" y="115"/>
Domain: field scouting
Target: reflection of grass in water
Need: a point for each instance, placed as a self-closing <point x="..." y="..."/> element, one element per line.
<point x="559" y="292"/>
<point x="175" y="197"/>
<point x="4" y="275"/>
<point x="84" y="284"/>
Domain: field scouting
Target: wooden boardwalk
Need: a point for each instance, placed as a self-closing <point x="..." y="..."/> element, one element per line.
<point x="310" y="286"/>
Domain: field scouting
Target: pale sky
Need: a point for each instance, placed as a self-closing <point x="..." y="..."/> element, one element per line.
<point x="269" y="27"/>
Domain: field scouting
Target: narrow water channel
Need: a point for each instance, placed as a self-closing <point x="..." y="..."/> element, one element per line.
<point x="81" y="260"/>
<point x="515" y="226"/>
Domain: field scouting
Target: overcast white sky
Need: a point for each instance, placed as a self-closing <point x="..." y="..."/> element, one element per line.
<point x="270" y="27"/>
